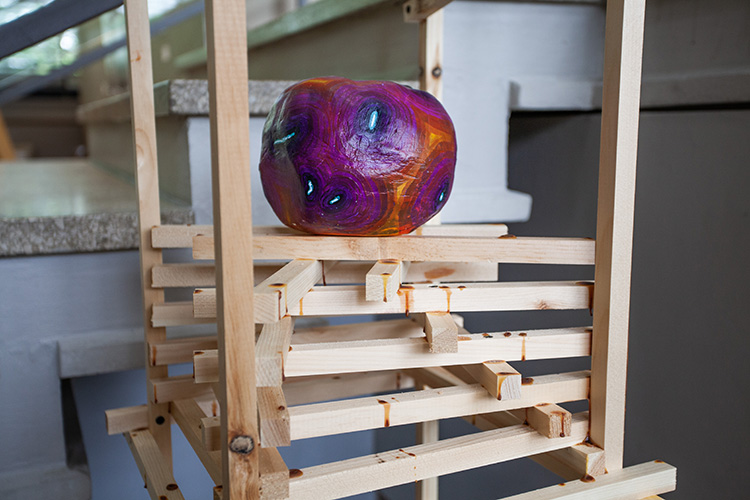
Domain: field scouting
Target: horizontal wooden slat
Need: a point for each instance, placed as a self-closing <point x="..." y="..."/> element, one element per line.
<point x="350" y="300"/>
<point x="393" y="354"/>
<point x="521" y="250"/>
<point x="347" y="272"/>
<point x="176" y="314"/>
<point x="382" y="470"/>
<point x="433" y="404"/>
<point x="154" y="470"/>
<point x="175" y="351"/>
<point x="164" y="390"/>
<point x="174" y="236"/>
<point x="632" y="483"/>
<point x="346" y="385"/>
<point x="130" y="418"/>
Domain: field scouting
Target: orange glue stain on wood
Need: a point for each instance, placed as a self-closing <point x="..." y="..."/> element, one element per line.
<point x="281" y="288"/>
<point x="323" y="271"/>
<point x="214" y="408"/>
<point x="561" y="415"/>
<point x="438" y="272"/>
<point x="385" y="277"/>
<point x="407" y="452"/>
<point x="508" y="237"/>
<point x="588" y="479"/>
<point x="448" y="293"/>
<point x="462" y="338"/>
<point x="527" y="381"/>
<point x="507" y="334"/>
<point x="153" y="355"/>
<point x="386" y="412"/>
<point x="406" y="291"/>
<point x="295" y="473"/>
<point x="301" y="309"/>
<point x="523" y="345"/>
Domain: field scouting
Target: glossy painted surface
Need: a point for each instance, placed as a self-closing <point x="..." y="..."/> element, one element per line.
<point x="359" y="158"/>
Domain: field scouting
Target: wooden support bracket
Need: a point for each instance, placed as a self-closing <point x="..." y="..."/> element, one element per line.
<point x="500" y="379"/>
<point x="272" y="349"/>
<point x="383" y="280"/>
<point x="154" y="470"/>
<point x="441" y="332"/>
<point x="274" y="417"/>
<point x="549" y="420"/>
<point x="285" y="287"/>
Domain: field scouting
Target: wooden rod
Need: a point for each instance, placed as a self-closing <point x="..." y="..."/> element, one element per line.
<point x="623" y="52"/>
<point x="147" y="188"/>
<point x="154" y="470"/>
<point x="181" y="236"/>
<point x="350" y="300"/>
<point x="386" y="469"/>
<point x="520" y="250"/>
<point x="329" y="358"/>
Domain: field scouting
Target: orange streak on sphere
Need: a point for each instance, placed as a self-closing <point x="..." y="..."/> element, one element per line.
<point x="371" y="158"/>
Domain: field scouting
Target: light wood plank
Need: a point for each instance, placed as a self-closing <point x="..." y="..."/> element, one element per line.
<point x="419" y="10"/>
<point x="550" y="420"/>
<point x="383" y="280"/>
<point x="274" y="417"/>
<point x="274" y="475"/>
<point x="131" y="418"/>
<point x="226" y="39"/>
<point x="501" y="380"/>
<point x="175" y="314"/>
<point x="633" y="483"/>
<point x="344" y="386"/>
<point x="164" y="390"/>
<point x="386" y="469"/>
<point x="574" y="462"/>
<point x="418" y="298"/>
<point x="203" y="274"/>
<point x="396" y="354"/>
<point x="188" y="415"/>
<point x="431" y="54"/>
<point x="143" y="122"/>
<point x="389" y="410"/>
<point x="154" y="470"/>
<point x="173" y="351"/>
<point x="181" y="236"/>
<point x="272" y="349"/>
<point x="623" y="51"/>
<point x="285" y="287"/>
<point x="521" y="250"/>
<point x="441" y="332"/>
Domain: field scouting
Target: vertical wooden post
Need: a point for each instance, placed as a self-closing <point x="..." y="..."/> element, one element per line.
<point x="614" y="234"/>
<point x="431" y="62"/>
<point x="147" y="185"/>
<point x="7" y="151"/>
<point x="233" y="237"/>
<point x="431" y="54"/>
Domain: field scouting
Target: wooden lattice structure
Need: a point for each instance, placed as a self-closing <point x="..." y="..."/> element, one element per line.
<point x="268" y="379"/>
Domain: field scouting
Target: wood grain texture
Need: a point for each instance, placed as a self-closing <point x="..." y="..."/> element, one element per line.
<point x="274" y="417"/>
<point x="272" y="349"/>
<point x="204" y="274"/>
<point x="286" y="286"/>
<point x="130" y="418"/>
<point x="417" y="298"/>
<point x="386" y="469"/>
<point x="226" y="38"/>
<point x="520" y="250"/>
<point x="154" y="470"/>
<point x="574" y="462"/>
<point x="501" y="380"/>
<point x="431" y="54"/>
<point x="634" y="483"/>
<point x="274" y="475"/>
<point x="147" y="188"/>
<point x="181" y="236"/>
<point x="188" y="415"/>
<point x="404" y="408"/>
<point x="617" y="167"/>
<point x="383" y="280"/>
<point x="549" y="419"/>
<point x="441" y="332"/>
<point x="331" y="358"/>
